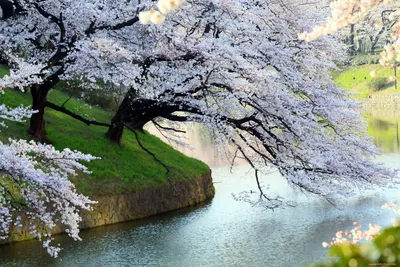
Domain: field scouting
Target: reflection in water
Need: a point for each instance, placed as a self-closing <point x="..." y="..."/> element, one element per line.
<point x="223" y="232"/>
<point x="385" y="134"/>
<point x="383" y="126"/>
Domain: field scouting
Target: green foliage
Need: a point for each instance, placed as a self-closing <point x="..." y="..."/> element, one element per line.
<point x="3" y="70"/>
<point x="364" y="59"/>
<point x="383" y="251"/>
<point x="122" y="168"/>
<point x="378" y="83"/>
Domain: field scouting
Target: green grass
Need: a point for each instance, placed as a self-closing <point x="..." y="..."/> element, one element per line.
<point x="357" y="79"/>
<point x="121" y="169"/>
<point x="3" y="71"/>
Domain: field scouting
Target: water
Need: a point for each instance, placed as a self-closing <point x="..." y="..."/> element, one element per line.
<point x="225" y="232"/>
<point x="384" y="126"/>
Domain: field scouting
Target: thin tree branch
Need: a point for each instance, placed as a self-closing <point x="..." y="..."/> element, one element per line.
<point x="92" y="28"/>
<point x="75" y="116"/>
<point x="167" y="128"/>
<point x="65" y="102"/>
<point x="146" y="150"/>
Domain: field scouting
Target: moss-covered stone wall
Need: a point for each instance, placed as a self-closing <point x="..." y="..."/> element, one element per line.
<point x="382" y="101"/>
<point x="135" y="205"/>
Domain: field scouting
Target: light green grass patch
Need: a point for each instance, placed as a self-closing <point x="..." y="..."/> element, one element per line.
<point x="357" y="79"/>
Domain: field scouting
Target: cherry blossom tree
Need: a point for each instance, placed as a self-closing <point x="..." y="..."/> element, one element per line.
<point x="371" y="33"/>
<point x="65" y="39"/>
<point x="35" y="179"/>
<point x="238" y="68"/>
<point x="375" y="30"/>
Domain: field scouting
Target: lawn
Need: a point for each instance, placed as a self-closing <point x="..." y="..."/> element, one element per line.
<point x="358" y="79"/>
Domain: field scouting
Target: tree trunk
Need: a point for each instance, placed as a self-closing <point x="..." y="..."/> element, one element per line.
<point x="37" y="122"/>
<point x="128" y="110"/>
<point x="115" y="132"/>
<point x="125" y="116"/>
<point x="116" y="129"/>
<point x="352" y="44"/>
<point x="135" y="113"/>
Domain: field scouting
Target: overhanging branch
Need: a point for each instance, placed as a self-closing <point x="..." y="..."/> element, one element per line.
<point x="166" y="128"/>
<point x="76" y="116"/>
<point x="92" y="28"/>
<point x="172" y="117"/>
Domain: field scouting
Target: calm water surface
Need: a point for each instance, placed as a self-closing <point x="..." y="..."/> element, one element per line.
<point x="226" y="232"/>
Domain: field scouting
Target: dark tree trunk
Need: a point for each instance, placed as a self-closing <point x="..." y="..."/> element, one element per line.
<point x="352" y="49"/>
<point x="135" y="113"/>
<point x="7" y="9"/>
<point x="138" y="122"/>
<point x="115" y="132"/>
<point x="122" y="117"/>
<point x="128" y="114"/>
<point x="37" y="122"/>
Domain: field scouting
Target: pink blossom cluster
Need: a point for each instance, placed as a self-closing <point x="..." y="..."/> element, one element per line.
<point x="158" y="17"/>
<point x="355" y="235"/>
<point x="346" y="12"/>
<point x="23" y="75"/>
<point x="42" y="175"/>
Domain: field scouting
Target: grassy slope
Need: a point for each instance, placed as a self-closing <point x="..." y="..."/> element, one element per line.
<point x="120" y="169"/>
<point x="357" y="79"/>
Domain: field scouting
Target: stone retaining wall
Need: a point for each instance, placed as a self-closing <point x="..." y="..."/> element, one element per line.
<point x="382" y="101"/>
<point x="136" y="205"/>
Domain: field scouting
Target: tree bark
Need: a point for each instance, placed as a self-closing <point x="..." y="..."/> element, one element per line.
<point x="124" y="112"/>
<point x="37" y="122"/>
<point x="115" y="132"/>
<point x="135" y="113"/>
<point x="352" y="44"/>
<point x="128" y="114"/>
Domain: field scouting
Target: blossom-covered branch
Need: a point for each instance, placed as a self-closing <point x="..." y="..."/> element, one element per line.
<point x="347" y="12"/>
<point x="41" y="175"/>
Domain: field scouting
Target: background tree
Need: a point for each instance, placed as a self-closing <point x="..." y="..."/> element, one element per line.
<point x="345" y="13"/>
<point x="370" y="34"/>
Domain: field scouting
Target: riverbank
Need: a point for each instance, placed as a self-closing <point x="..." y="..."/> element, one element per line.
<point x="358" y="80"/>
<point x="127" y="180"/>
<point x="132" y="206"/>
<point x="389" y="100"/>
